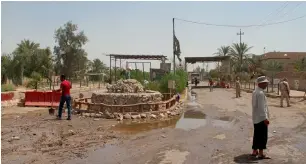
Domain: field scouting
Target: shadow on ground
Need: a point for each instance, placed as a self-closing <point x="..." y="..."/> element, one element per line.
<point x="245" y="158"/>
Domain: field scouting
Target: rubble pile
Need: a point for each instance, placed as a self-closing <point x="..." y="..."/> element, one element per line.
<point x="125" y="98"/>
<point x="125" y="86"/>
<point x="126" y="92"/>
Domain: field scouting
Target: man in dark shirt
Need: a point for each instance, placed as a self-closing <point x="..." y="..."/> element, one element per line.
<point x="65" y="88"/>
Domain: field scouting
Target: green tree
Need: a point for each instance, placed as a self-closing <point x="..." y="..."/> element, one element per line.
<point x="22" y="55"/>
<point x="255" y="66"/>
<point x="271" y="68"/>
<point x="300" y="65"/>
<point x="240" y="52"/>
<point x="98" y="66"/>
<point x="223" y="51"/>
<point x="6" y="61"/>
<point x="71" y="59"/>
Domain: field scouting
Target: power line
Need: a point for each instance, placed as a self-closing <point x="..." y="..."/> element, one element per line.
<point x="278" y="10"/>
<point x="285" y="4"/>
<point x="296" y="6"/>
<point x="244" y="26"/>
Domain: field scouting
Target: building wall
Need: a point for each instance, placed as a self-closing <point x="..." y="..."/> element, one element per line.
<point x="288" y="65"/>
<point x="292" y="77"/>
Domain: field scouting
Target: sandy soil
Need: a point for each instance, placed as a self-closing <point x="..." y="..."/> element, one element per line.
<point x="216" y="128"/>
<point x="36" y="137"/>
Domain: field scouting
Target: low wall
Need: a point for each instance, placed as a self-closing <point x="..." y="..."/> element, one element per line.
<point x="292" y="77"/>
<point x="84" y="105"/>
<point x="6" y="96"/>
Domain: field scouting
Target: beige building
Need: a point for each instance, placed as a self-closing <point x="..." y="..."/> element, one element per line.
<point x="288" y="59"/>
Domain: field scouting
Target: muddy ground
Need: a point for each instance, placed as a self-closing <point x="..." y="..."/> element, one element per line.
<point x="216" y="128"/>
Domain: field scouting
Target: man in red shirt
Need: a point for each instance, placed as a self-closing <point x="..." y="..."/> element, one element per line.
<point x="65" y="88"/>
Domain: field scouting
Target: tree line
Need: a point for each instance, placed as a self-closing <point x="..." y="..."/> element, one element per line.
<point x="31" y="60"/>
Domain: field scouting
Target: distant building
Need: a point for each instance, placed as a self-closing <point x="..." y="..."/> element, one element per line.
<point x="287" y="59"/>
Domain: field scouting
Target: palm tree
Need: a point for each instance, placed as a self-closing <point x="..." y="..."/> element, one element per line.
<point x="272" y="67"/>
<point x="98" y="66"/>
<point x="255" y="65"/>
<point x="6" y="62"/>
<point x="223" y="51"/>
<point x="22" y="54"/>
<point x="300" y="65"/>
<point x="239" y="52"/>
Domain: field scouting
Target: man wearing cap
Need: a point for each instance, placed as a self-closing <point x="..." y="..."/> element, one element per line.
<point x="260" y="116"/>
<point x="285" y="92"/>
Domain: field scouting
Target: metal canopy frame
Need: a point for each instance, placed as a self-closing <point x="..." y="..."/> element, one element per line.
<point x="193" y="60"/>
<point x="205" y="59"/>
<point x="136" y="57"/>
<point x="143" y="74"/>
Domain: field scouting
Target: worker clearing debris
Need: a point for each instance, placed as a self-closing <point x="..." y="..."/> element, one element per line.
<point x="285" y="92"/>
<point x="65" y="88"/>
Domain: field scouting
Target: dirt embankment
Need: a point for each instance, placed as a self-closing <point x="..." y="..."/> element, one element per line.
<point x="36" y="137"/>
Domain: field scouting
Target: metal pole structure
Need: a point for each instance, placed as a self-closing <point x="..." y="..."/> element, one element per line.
<point x="143" y="71"/>
<point x="150" y="72"/>
<point x="110" y="69"/>
<point x="173" y="47"/>
<point x="240" y="34"/>
<point x="136" y="69"/>
<point x="128" y="71"/>
<point x="115" y="69"/>
<point x="120" y="63"/>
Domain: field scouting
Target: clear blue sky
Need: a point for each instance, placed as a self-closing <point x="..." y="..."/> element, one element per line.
<point x="146" y="27"/>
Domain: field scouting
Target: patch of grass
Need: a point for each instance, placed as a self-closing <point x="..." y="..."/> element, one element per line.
<point x="153" y="85"/>
<point x="7" y="87"/>
<point x="180" y="79"/>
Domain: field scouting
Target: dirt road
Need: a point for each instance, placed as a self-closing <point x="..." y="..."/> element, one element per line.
<point x="220" y="132"/>
<point x="216" y="128"/>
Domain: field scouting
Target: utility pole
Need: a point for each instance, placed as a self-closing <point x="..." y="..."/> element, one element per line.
<point x="173" y="46"/>
<point x="240" y="34"/>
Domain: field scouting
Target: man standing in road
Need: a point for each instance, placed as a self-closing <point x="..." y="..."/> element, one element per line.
<point x="65" y="88"/>
<point x="211" y="85"/>
<point x="285" y="92"/>
<point x="260" y="116"/>
<point x="238" y="87"/>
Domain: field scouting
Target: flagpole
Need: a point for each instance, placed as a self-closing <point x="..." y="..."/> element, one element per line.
<point x="173" y="47"/>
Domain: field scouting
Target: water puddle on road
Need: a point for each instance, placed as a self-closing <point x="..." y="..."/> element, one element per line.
<point x="192" y="118"/>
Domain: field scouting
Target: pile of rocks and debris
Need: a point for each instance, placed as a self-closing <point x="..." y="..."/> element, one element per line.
<point x="177" y="110"/>
<point x="125" y="92"/>
<point x="125" y="86"/>
<point x="125" y="98"/>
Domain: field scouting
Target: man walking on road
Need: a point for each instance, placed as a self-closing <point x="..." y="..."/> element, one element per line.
<point x="65" y="88"/>
<point x="211" y="85"/>
<point x="260" y="116"/>
<point x="238" y="86"/>
<point x="285" y="92"/>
